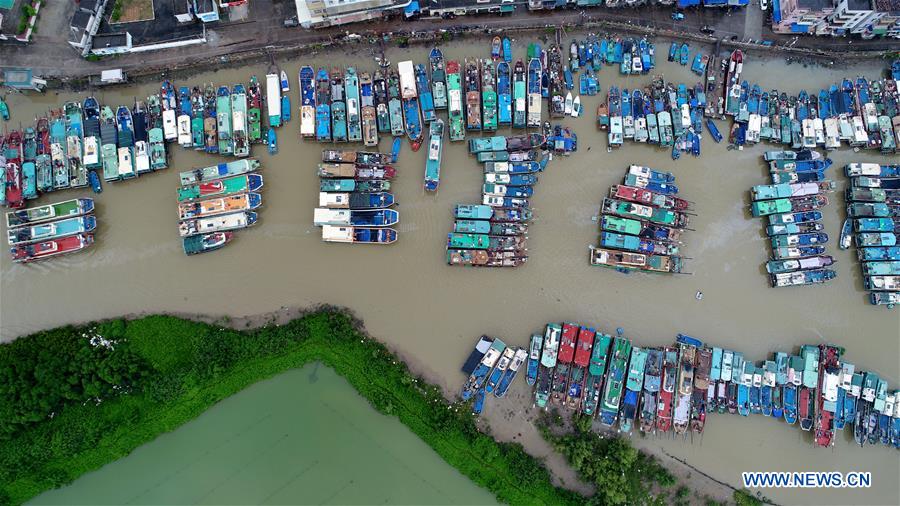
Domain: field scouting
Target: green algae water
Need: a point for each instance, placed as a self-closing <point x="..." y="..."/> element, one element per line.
<point x="302" y="437"/>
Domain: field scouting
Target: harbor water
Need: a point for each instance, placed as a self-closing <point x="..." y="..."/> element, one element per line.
<point x="303" y="437"/>
<point x="432" y="314"/>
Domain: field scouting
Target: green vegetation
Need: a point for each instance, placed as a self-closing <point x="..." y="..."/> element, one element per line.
<point x="620" y="473"/>
<point x="116" y="11"/>
<point x="76" y="398"/>
<point x="745" y="498"/>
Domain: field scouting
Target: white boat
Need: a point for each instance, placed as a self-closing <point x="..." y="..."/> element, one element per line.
<point x="860" y="137"/>
<point x="141" y="157"/>
<point x="819" y="129"/>
<point x="614" y="137"/>
<point x="832" y="134"/>
<point x="126" y="163"/>
<point x="273" y="99"/>
<point x="568" y="104"/>
<point x="685" y="116"/>
<point x="754" y="127"/>
<point x="809" y="133"/>
<point x="576" y="107"/>
<point x="407" y="79"/>
<point x="845" y="128"/>
<point x="91" y="152"/>
<point x="170" y="125"/>
<point x="307" y="121"/>
<point x="640" y="129"/>
<point x="184" y="131"/>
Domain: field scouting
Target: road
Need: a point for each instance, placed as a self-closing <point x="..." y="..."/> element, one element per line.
<point x="51" y="56"/>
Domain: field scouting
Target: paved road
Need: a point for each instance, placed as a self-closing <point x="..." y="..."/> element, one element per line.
<point x="51" y="56"/>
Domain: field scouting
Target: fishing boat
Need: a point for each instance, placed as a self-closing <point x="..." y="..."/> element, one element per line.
<point x="360" y="218"/>
<point x="219" y="171"/>
<point x="351" y="185"/>
<point x="488" y="96"/>
<point x="204" y="243"/>
<point x="411" y="111"/>
<point x="455" y="101"/>
<point x="614" y="383"/>
<point x="479" y="373"/>
<point x="353" y="106"/>
<point x="221" y="187"/>
<point x="220" y="223"/>
<point x="519" y="97"/>
<point x="285" y="108"/>
<point x="358" y="235"/>
<point x="596" y="372"/>
<point x="127" y="168"/>
<point x="485" y="212"/>
<point x="157" y="148"/>
<point x="426" y="100"/>
<point x="380" y="91"/>
<point x="433" y="161"/>
<point x="323" y="106"/>
<point x="183" y="119"/>
<point x="239" y="137"/>
<point x="483" y="258"/>
<point x="682" y="411"/>
<point x="210" y="135"/>
<point x="49" y="212"/>
<point x="535" y="72"/>
<point x="356" y="200"/>
<point x="504" y="94"/>
<point x="369" y="114"/>
<point x="273" y="98"/>
<point x="306" y="79"/>
<point x="395" y="107"/>
<point x="223" y="120"/>
<point x="578" y="375"/>
<point x="254" y="111"/>
<point x="272" y="141"/>
<point x="438" y="79"/>
<point x="534" y="358"/>
<point x="633" y="386"/>
<point x="51" y="230"/>
<point x="169" y="111"/>
<point x="197" y="108"/>
<point x="667" y="390"/>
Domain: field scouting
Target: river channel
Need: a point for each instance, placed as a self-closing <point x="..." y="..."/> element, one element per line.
<point x="432" y="314"/>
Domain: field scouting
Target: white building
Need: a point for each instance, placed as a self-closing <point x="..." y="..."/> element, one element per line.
<point x="320" y="13"/>
<point x="85" y="23"/>
<point x="866" y="18"/>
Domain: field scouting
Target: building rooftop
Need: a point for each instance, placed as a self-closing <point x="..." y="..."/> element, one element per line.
<point x="108" y="40"/>
<point x="816" y="5"/>
<point x="891" y="6"/>
<point x="80" y="20"/>
<point x="859" y="5"/>
<point x="89" y="5"/>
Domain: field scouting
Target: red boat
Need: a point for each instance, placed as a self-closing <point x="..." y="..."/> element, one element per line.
<point x="829" y="372"/>
<point x="804" y="409"/>
<point x="585" y="344"/>
<point x="567" y="343"/>
<point x="43" y="136"/>
<point x="52" y="248"/>
<point x="643" y="196"/>
<point x="735" y="66"/>
<point x="667" y="390"/>
<point x="14" y="198"/>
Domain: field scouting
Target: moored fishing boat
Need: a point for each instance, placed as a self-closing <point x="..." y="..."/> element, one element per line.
<point x="438" y="79"/>
<point x="54" y="247"/>
<point x="480" y="372"/>
<point x="534" y="357"/>
<point x="354" y="107"/>
<point x="49" y="212"/>
<point x="221" y="205"/>
<point x="223" y="120"/>
<point x="211" y="136"/>
<point x="455" y="102"/>
<point x="220" y="223"/>
<point x="433" y="160"/>
<point x="254" y="111"/>
<point x="239" y="137"/>
<point x="359" y="218"/>
<point x="204" y="243"/>
<point x="633" y="386"/>
<point x="488" y="96"/>
<point x="519" y="95"/>
<point x="504" y="94"/>
<point x="323" y="106"/>
<point x="197" y="109"/>
<point x="596" y="372"/>
<point x="273" y="98"/>
<point x="473" y="94"/>
<point x="183" y="118"/>
<point x="535" y="71"/>
<point x="358" y="235"/>
<point x="233" y="168"/>
<point x="509" y="374"/>
<point x="667" y="390"/>
<point x="395" y="105"/>
<point x="221" y="187"/>
<point x="423" y="87"/>
<point x="614" y="383"/>
<point x="306" y="78"/>
<point x="51" y="230"/>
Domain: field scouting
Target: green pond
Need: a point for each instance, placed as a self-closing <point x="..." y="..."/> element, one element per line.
<point x="303" y="437"/>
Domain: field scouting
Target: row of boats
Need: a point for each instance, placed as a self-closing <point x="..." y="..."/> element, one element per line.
<point x="50" y="230"/>
<point x="494" y="232"/>
<point x="641" y="223"/>
<point x="659" y="390"/>
<point x="354" y="197"/>
<point x="873" y="223"/>
<point x="663" y="114"/>
<point x="633" y="56"/>
<point x="215" y="201"/>
<point x="792" y="205"/>
<point x="862" y="113"/>
<point x="491" y="368"/>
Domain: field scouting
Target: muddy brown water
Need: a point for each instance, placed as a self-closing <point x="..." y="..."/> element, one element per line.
<point x="432" y="313"/>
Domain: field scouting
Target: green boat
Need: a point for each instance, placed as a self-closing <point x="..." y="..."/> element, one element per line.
<point x="221" y="187"/>
<point x="468" y="241"/>
<point x="642" y="212"/>
<point x="488" y="97"/>
<point x="455" y="102"/>
<point x="596" y="370"/>
<point x="767" y="207"/>
<point x="49" y="212"/>
<point x="110" y="157"/>
<point x="44" y="168"/>
<point x="633" y="385"/>
<point x="157" y="149"/>
<point x="197" y="107"/>
<point x="395" y="106"/>
<point x="219" y="171"/>
<point x="254" y="113"/>
<point x="615" y="378"/>
<point x="433" y="162"/>
<point x="239" y="140"/>
<point x="203" y="243"/>
<point x="223" y="120"/>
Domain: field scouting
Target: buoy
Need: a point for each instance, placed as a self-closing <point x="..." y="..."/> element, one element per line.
<point x="699" y="295"/>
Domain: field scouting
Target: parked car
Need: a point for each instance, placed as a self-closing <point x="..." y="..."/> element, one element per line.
<point x="677" y="16"/>
<point x="291" y="22"/>
<point x="707" y="30"/>
<point x="764" y="5"/>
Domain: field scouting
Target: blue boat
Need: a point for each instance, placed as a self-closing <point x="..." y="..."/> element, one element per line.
<point x="618" y="52"/>
<point x="395" y="149"/>
<point x="568" y="79"/>
<point x="184" y="96"/>
<point x="685" y="54"/>
<point x="504" y="94"/>
<point x="697" y="66"/>
<point x="94" y="180"/>
<point x="478" y="405"/>
<point x="646" y="58"/>
<point x="354" y="107"/>
<point x="824" y="104"/>
<point x="338" y="107"/>
<point x="272" y="141"/>
<point x="743" y="400"/>
<point x="673" y="51"/>
<point x="802" y="105"/>
<point x="507" y="50"/>
<point x="323" y="106"/>
<point x="425" y="97"/>
<point x="412" y="122"/>
<point x="433" y="161"/>
<point x="895" y="70"/>
<point x="604" y="50"/>
<point x="510" y="373"/>
<point x="790" y="404"/>
<point x="587" y="84"/>
<point x="839" y="411"/>
<point x="285" y="108"/>
<point x="713" y="130"/>
<point x="534" y="356"/>
<point x="765" y="394"/>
